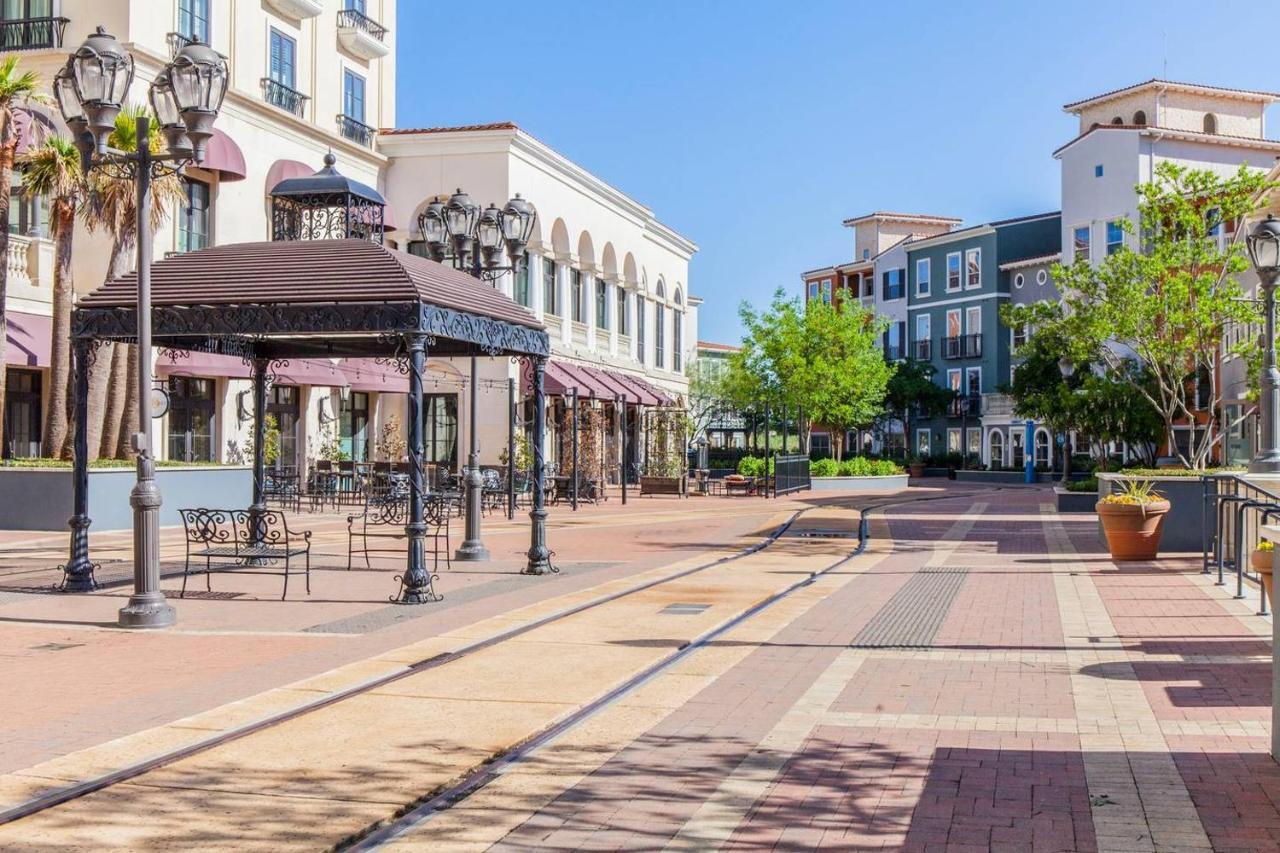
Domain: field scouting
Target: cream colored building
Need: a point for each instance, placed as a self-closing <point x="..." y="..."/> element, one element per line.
<point x="313" y="76"/>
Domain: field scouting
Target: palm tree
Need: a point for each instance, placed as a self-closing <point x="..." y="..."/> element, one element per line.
<point x="53" y="170"/>
<point x="112" y="206"/>
<point x="15" y="87"/>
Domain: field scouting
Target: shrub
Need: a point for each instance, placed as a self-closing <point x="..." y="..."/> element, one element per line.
<point x="1175" y="472"/>
<point x="860" y="466"/>
<point x="753" y="466"/>
<point x="825" y="468"/>
<point x="1087" y="485"/>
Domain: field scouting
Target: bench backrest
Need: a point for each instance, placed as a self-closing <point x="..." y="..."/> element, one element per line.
<point x="209" y="527"/>
<point x="265" y="529"/>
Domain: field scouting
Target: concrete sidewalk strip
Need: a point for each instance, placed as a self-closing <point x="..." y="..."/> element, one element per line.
<point x="356" y="761"/>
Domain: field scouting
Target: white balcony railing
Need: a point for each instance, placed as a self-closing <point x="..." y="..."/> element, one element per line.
<point x="29" y="263"/>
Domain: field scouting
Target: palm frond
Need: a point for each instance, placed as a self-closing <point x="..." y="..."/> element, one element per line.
<point x="52" y="169"/>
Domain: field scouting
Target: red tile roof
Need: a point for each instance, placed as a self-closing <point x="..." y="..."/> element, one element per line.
<point x="1250" y="94"/>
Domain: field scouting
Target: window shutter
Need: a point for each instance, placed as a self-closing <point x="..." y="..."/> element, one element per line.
<point x="884" y="284"/>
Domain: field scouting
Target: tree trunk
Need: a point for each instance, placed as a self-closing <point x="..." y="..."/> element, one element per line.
<point x="117" y="391"/>
<point x="56" y="423"/>
<point x="129" y="420"/>
<point x="8" y="145"/>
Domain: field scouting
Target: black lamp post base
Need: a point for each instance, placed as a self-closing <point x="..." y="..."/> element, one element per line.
<point x="147" y="610"/>
<point x="471" y="551"/>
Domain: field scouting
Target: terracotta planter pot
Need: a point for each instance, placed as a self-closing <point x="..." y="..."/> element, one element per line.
<point x="1133" y="532"/>
<point x="916" y="469"/>
<point x="1262" y="562"/>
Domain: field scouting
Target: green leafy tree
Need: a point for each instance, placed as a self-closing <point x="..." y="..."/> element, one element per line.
<point x="819" y="358"/>
<point x="912" y="392"/>
<point x="1168" y="304"/>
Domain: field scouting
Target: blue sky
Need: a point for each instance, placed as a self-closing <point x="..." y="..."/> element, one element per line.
<point x="755" y="128"/>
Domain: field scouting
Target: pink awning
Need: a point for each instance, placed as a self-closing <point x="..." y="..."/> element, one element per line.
<point x="310" y="371"/>
<point x="32" y="126"/>
<point x="29" y="339"/>
<point x="586" y="384"/>
<point x="222" y="155"/>
<point x="283" y="170"/>
<point x="562" y="378"/>
<point x="365" y="374"/>
<point x="194" y="363"/>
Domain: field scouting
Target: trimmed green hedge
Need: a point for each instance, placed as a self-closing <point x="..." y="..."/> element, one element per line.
<point x="858" y="466"/>
<point x="44" y="462"/>
<point x="1089" y="485"/>
<point x="1176" y="472"/>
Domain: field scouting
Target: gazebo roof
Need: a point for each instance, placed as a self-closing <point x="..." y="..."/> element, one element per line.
<point x="313" y="297"/>
<point x="327" y="182"/>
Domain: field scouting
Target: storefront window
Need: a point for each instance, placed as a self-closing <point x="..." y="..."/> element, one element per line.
<point x="282" y="403"/>
<point x="191" y="413"/>
<point x="355" y="426"/>
<point x="440" y="429"/>
<point x="22" y="414"/>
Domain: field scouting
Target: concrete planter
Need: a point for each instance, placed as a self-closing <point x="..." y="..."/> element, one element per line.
<point x="887" y="483"/>
<point x="1075" y="501"/>
<point x="1184" y="526"/>
<point x="41" y="499"/>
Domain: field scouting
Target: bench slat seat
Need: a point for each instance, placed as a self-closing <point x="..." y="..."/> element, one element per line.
<point x="242" y="536"/>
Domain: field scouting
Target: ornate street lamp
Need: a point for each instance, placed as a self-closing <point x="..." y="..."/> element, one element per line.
<point x="1264" y="250"/>
<point x="186" y="96"/>
<point x="457" y="231"/>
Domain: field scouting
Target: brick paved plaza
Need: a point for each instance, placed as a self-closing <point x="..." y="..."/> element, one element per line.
<point x="982" y="677"/>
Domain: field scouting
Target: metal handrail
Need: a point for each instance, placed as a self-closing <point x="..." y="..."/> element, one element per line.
<point x="1223" y="542"/>
<point x="32" y="33"/>
<point x="355" y="130"/>
<point x="285" y="97"/>
<point x="360" y="21"/>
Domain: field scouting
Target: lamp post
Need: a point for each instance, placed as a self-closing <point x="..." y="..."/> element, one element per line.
<point x="1264" y="250"/>
<point x="186" y="96"/>
<point x="457" y="231"/>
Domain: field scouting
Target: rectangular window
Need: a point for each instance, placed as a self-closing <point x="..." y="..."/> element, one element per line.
<point x="813" y="290"/>
<point x="550" y="297"/>
<point x="893" y="284"/>
<point x="1115" y="236"/>
<point x="953" y="440"/>
<point x="924" y="341"/>
<point x="953" y="323"/>
<point x="353" y="96"/>
<point x="973" y="268"/>
<point x="353" y="426"/>
<point x="440" y="429"/>
<point x="953" y="271"/>
<point x="659" y="335"/>
<point x="520" y="286"/>
<point x="193" y="19"/>
<point x="1097" y="171"/>
<point x="602" y="304"/>
<point x="869" y="284"/>
<point x="973" y="380"/>
<point x="826" y="291"/>
<point x="677" y="341"/>
<point x="641" y="310"/>
<point x="973" y="319"/>
<point x="1020" y="335"/>
<point x="922" y="442"/>
<point x="1080" y="242"/>
<point x="954" y="380"/>
<point x="922" y="276"/>
<point x="356" y="6"/>
<point x="193" y="219"/>
<point x="282" y="67"/>
<point x="624" y="328"/>
<point x="973" y="438"/>
<point x="22" y="413"/>
<point x="191" y="417"/>
<point x="578" y="314"/>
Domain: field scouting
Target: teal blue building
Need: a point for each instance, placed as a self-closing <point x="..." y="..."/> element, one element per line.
<point x="955" y="288"/>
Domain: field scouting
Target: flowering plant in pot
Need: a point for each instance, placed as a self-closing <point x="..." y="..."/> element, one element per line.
<point x="1261" y="559"/>
<point x="1133" y="519"/>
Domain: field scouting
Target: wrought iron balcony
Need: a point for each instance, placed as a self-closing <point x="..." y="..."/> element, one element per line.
<point x="964" y="346"/>
<point x="32" y="33"/>
<point x="288" y="99"/>
<point x="361" y="35"/>
<point x="177" y="41"/>
<point x="966" y="405"/>
<point x="355" y="130"/>
<point x="924" y="350"/>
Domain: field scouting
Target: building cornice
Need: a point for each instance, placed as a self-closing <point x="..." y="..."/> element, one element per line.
<point x="1158" y="133"/>
<point x="951" y="237"/>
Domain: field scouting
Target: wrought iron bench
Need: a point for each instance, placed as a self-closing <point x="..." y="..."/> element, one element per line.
<point x="384" y="518"/>
<point x="237" y="540"/>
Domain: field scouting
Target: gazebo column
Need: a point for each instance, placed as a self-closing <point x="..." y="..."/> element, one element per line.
<point x="416" y="583"/>
<point x="472" y="548"/>
<point x="539" y="562"/>
<point x="259" y="505"/>
<point x="78" y="572"/>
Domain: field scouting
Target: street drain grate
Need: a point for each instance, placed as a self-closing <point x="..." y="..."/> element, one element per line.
<point x="683" y="609"/>
<point x="206" y="594"/>
<point x="912" y="617"/>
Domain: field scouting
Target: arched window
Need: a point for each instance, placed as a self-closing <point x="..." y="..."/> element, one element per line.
<point x="1117" y="120"/>
<point x="1042" y="448"/>
<point x="995" y="444"/>
<point x="677" y="332"/>
<point x="1210" y="123"/>
<point x="1140" y="118"/>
